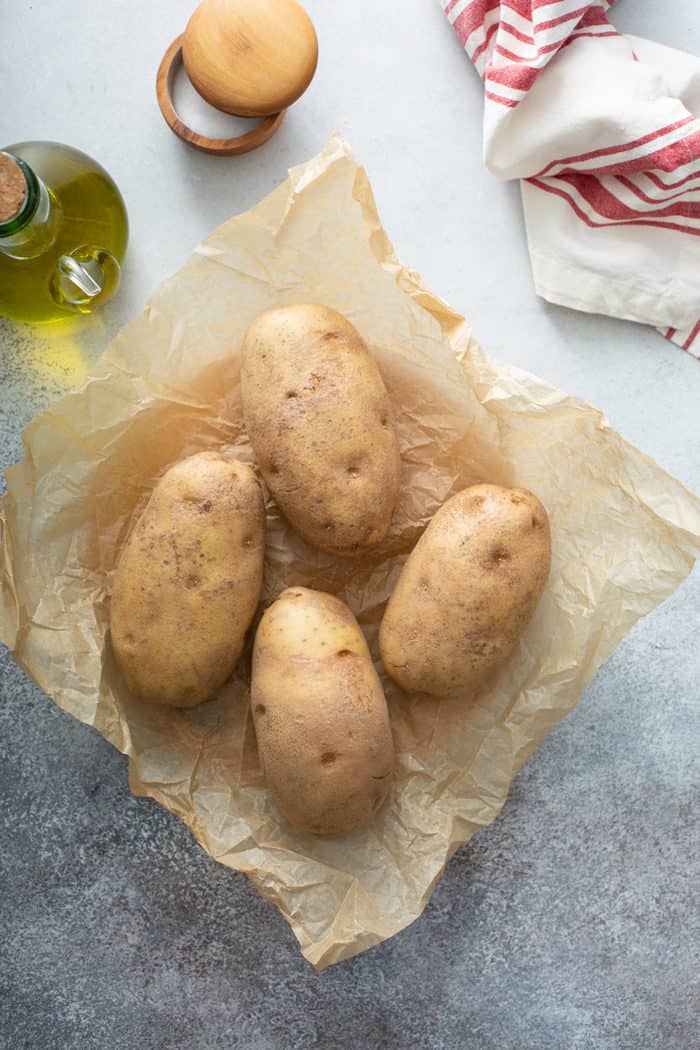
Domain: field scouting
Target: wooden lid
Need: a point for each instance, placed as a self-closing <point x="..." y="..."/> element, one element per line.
<point x="13" y="187"/>
<point x="250" y="57"/>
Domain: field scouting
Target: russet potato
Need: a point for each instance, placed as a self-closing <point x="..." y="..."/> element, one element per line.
<point x="188" y="581"/>
<point x="467" y="591"/>
<point x="321" y="719"/>
<point x="321" y="426"/>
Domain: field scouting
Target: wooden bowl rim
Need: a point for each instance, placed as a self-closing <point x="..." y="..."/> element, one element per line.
<point x="170" y="63"/>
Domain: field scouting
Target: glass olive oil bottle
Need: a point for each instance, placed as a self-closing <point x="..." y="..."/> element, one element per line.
<point x="63" y="232"/>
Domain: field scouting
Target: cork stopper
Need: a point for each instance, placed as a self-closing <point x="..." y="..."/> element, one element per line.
<point x="13" y="188"/>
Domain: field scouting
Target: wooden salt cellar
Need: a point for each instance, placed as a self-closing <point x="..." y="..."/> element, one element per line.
<point x="252" y="58"/>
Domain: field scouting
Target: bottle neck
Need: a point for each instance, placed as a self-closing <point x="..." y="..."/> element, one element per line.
<point x="32" y="229"/>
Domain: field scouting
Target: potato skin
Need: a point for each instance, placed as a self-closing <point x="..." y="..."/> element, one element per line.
<point x="320" y="715"/>
<point x="322" y="426"/>
<point x="467" y="591"/>
<point x="188" y="581"/>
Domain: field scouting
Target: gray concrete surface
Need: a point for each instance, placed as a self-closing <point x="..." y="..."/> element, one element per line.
<point x="570" y="924"/>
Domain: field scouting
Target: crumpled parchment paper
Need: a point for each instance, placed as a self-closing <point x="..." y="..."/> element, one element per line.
<point x="624" y="535"/>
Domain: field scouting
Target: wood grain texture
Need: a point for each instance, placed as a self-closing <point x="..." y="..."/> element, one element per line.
<point x="250" y="57"/>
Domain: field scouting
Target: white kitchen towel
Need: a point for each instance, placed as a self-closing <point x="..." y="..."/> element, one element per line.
<point x="601" y="130"/>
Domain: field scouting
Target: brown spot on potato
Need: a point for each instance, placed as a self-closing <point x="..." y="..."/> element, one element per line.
<point x="247" y="541"/>
<point x="260" y="709"/>
<point x="328" y="525"/>
<point x="480" y="648"/>
<point x="330" y="336"/>
<point x="515" y="497"/>
<point x="328" y="758"/>
<point x="205" y="506"/>
<point x="353" y="472"/>
<point x="191" y="581"/>
<point x="499" y="555"/>
<point x="291" y="394"/>
<point x="274" y="469"/>
<point x="344" y="652"/>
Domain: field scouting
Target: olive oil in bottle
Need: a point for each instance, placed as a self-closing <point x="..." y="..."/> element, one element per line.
<point x="63" y="232"/>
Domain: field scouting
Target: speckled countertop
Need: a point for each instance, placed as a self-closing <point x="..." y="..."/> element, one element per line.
<point x="570" y="924"/>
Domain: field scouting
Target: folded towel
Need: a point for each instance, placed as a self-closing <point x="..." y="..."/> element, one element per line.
<point x="601" y="129"/>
